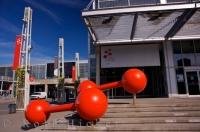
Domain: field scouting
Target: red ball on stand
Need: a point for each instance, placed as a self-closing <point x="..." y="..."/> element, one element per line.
<point x="87" y="84"/>
<point x="91" y="104"/>
<point x="134" y="81"/>
<point x="35" y="111"/>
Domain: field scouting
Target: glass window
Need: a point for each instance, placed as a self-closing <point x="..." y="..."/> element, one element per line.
<point x="187" y="46"/>
<point x="177" y="47"/>
<point x="184" y="53"/>
<point x="180" y="81"/>
<point x="92" y="48"/>
<point x="197" y="45"/>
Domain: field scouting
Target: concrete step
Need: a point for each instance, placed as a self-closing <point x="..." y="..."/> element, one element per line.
<point x="154" y="109"/>
<point x="153" y="114"/>
<point x="146" y="120"/>
<point x="147" y="115"/>
<point x="129" y="127"/>
<point x="155" y="102"/>
<point x="144" y="105"/>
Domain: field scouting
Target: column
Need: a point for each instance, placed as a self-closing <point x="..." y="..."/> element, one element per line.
<point x="46" y="88"/>
<point x="163" y="1"/>
<point x="170" y="69"/>
<point x="98" y="64"/>
<point x="1" y="86"/>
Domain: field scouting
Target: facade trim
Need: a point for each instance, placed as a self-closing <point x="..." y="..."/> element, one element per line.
<point x="161" y="7"/>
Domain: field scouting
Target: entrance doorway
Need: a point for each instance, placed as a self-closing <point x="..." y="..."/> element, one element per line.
<point x="192" y="81"/>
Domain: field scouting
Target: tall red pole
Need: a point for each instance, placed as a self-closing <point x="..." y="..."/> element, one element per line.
<point x="73" y="73"/>
<point x="17" y="51"/>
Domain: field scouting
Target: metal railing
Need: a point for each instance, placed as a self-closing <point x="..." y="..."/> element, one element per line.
<point x="5" y="78"/>
<point x="104" y="4"/>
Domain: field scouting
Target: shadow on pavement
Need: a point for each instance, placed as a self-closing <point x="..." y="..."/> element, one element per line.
<point x="27" y="127"/>
<point x="75" y="119"/>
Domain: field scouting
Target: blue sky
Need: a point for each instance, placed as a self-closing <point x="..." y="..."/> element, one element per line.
<point x="51" y="19"/>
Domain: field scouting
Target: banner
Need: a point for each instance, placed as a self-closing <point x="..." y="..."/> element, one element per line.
<point x="17" y="51"/>
<point x="73" y="73"/>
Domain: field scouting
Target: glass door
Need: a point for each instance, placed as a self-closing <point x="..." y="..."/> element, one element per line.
<point x="192" y="82"/>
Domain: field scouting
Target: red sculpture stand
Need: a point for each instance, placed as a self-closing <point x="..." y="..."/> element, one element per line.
<point x="91" y="103"/>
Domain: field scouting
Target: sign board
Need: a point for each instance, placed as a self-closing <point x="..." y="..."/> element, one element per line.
<point x="130" y="55"/>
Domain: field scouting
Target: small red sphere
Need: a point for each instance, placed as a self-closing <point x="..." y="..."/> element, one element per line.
<point x="134" y="81"/>
<point x="35" y="111"/>
<point x="87" y="84"/>
<point x="91" y="104"/>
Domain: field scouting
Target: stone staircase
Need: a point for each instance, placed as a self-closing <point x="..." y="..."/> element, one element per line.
<point x="155" y="114"/>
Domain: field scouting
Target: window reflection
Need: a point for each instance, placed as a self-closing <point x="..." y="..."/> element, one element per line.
<point x="186" y="53"/>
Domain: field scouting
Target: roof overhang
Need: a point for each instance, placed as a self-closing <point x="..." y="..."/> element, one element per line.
<point x="129" y="41"/>
<point x="190" y="37"/>
<point x="115" y="42"/>
<point x="125" y="10"/>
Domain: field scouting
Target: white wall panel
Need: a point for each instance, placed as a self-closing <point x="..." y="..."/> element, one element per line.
<point x="130" y="55"/>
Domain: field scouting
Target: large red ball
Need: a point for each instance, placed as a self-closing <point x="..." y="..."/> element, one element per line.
<point x="87" y="84"/>
<point x="91" y="104"/>
<point x="134" y="81"/>
<point x="35" y="111"/>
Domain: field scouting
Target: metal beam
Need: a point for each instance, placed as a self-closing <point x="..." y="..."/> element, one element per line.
<point x="181" y="20"/>
<point x="190" y="37"/>
<point x="126" y="10"/>
<point x="134" y="26"/>
<point x="91" y="31"/>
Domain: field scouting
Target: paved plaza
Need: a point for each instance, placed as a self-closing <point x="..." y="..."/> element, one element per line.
<point x="149" y="114"/>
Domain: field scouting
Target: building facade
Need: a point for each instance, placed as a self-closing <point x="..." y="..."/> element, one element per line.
<point x="160" y="37"/>
<point x="42" y="76"/>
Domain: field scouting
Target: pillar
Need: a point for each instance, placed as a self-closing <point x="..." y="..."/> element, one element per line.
<point x="170" y="69"/>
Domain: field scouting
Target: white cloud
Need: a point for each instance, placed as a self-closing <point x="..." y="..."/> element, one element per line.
<point x="8" y="26"/>
<point x="41" y="59"/>
<point x="69" y="3"/>
<point x="6" y="55"/>
<point x="6" y="44"/>
<point x="45" y="10"/>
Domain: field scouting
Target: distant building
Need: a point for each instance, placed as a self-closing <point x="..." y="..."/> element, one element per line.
<point x="161" y="37"/>
<point x="42" y="75"/>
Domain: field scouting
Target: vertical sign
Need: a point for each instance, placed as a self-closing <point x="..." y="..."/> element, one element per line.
<point x="73" y="73"/>
<point x="17" y="52"/>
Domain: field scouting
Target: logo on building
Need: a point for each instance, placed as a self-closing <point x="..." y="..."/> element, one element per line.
<point x="108" y="56"/>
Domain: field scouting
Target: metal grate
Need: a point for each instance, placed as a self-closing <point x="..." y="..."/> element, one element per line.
<point x="103" y="4"/>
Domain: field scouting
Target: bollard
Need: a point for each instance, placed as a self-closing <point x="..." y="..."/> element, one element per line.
<point x="12" y="108"/>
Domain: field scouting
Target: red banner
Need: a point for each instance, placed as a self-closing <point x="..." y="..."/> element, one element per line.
<point x="73" y="73"/>
<point x="16" y="59"/>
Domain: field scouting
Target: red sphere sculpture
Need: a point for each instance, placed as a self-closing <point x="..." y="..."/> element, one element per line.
<point x="35" y="111"/>
<point x="91" y="104"/>
<point x="87" y="84"/>
<point x="134" y="81"/>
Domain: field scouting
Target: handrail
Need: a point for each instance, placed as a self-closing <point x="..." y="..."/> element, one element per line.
<point x="109" y="4"/>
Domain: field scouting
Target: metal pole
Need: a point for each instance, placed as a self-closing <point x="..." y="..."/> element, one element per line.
<point x="129" y="3"/>
<point x="13" y="86"/>
<point x="63" y="72"/>
<point x="163" y="1"/>
<point x="134" y="99"/>
<point x="77" y="66"/>
<point x="1" y="86"/>
<point x="28" y="20"/>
